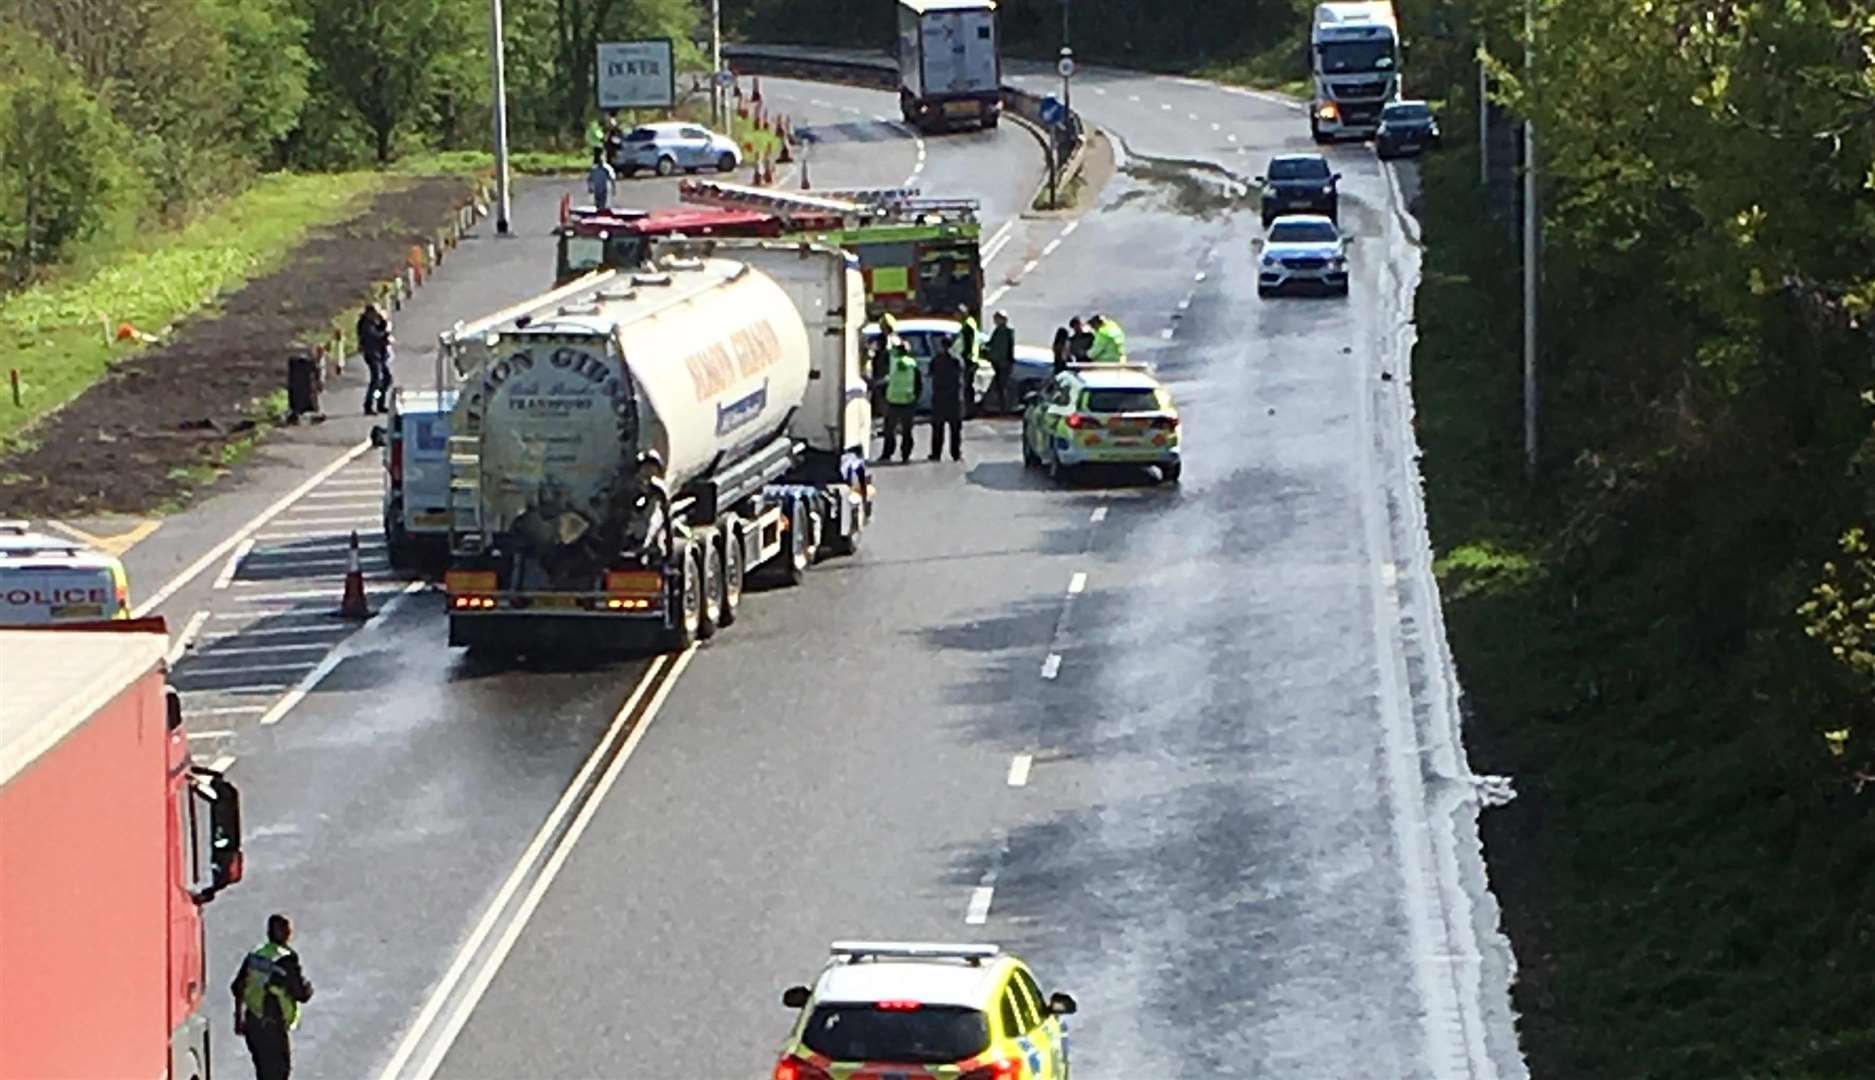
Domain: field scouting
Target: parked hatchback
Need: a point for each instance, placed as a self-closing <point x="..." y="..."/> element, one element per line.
<point x="669" y="147"/>
<point x="1300" y="184"/>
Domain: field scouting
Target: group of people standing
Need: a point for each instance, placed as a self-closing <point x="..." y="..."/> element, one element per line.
<point x="1098" y="340"/>
<point x="898" y="382"/>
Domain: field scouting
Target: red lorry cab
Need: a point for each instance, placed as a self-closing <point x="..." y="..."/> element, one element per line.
<point x="111" y="840"/>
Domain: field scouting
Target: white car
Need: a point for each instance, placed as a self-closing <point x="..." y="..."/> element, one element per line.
<point x="669" y="147"/>
<point x="1303" y="249"/>
<point x="1035" y="364"/>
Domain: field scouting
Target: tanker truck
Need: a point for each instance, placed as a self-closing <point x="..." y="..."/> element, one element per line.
<point x="628" y="449"/>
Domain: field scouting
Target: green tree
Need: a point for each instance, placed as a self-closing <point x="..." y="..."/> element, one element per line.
<point x="381" y="59"/>
<point x="266" y="42"/>
<point x="60" y="181"/>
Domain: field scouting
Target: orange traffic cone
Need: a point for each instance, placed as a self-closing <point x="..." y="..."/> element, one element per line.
<point x="353" y="604"/>
<point x="805" y="186"/>
<point x="755" y="171"/>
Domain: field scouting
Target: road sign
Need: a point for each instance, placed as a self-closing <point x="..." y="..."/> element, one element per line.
<point x="636" y="74"/>
<point x="725" y="79"/>
<point x="1066" y="67"/>
<point x="1053" y="111"/>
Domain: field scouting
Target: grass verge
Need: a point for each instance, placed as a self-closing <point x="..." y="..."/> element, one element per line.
<point x="60" y="335"/>
<point x="1685" y="899"/>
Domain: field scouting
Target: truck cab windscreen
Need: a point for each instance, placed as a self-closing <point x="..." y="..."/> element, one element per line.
<point x="1347" y="57"/>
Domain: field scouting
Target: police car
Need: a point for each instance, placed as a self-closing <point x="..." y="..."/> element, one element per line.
<point x="917" y="1011"/>
<point x="45" y="580"/>
<point x="1102" y="414"/>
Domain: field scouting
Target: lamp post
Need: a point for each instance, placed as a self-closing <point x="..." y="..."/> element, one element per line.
<point x="719" y="109"/>
<point x="501" y="117"/>
<point x="1530" y="254"/>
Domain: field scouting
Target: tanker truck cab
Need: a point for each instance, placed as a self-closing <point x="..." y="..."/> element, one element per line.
<point x="626" y="452"/>
<point x="415" y="443"/>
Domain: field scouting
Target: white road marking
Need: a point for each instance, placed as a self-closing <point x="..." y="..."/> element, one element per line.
<point x="1069" y="231"/>
<point x="254" y="525"/>
<point x="1132" y="97"/>
<point x="1390" y="574"/>
<point x="1051" y="247"/>
<point x="222" y="763"/>
<point x="327" y="627"/>
<point x="332" y="593"/>
<point x="1099" y="515"/>
<point x="979" y="911"/>
<point x="240" y="669"/>
<point x="374" y="505"/>
<point x="1168" y="332"/>
<point x="187" y="637"/>
<point x="1019" y="767"/>
<point x="323" y="619"/>
<point x="819" y="104"/>
<point x="223" y="710"/>
<point x="234" y="563"/>
<point x="998" y="241"/>
<point x="1230" y="138"/>
<point x="287" y="564"/>
<point x="1098" y="91"/>
<point x="338" y="492"/>
<point x="332" y="660"/>
<point x="218" y="733"/>
<point x="1185" y="304"/>
<point x="1166" y="108"/>
<point x="324" y="538"/>
<point x="1201" y="275"/>
<point x="1216" y="126"/>
<point x="1051" y="667"/>
<point x="252" y="688"/>
<point x="1191" y="116"/>
<point x="1078" y="583"/>
<point x="1029" y="267"/>
<point x="1001" y="291"/>
<point x="270" y="650"/>
<point x="548" y="873"/>
<point x="343" y="522"/>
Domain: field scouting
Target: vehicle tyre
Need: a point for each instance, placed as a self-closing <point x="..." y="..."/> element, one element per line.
<point x="1321" y="137"/>
<point x="397" y="541"/>
<point x="667" y="165"/>
<point x="710" y="618"/>
<point x="1267" y="218"/>
<point x="989" y="122"/>
<point x="733" y="572"/>
<point x="1263" y="292"/>
<point x="1169" y="471"/>
<point x="726" y="163"/>
<point x="687" y="598"/>
<point x="848" y="544"/>
<point x="800" y="553"/>
<point x="1343" y="289"/>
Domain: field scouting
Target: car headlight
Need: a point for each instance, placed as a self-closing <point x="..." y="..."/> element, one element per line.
<point x="1328" y="189"/>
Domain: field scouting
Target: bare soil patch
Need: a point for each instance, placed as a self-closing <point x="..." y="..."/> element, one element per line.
<point x="143" y="435"/>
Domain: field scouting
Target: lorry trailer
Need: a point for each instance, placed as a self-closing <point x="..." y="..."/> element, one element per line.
<point x="626" y="451"/>
<point x="111" y="842"/>
<point x="950" y="68"/>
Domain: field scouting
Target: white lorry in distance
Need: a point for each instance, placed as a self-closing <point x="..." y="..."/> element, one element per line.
<point x="629" y="448"/>
<point x="1354" y="68"/>
<point x="950" y="68"/>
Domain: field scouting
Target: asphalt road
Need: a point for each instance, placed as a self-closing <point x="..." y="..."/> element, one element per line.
<point x="1190" y="751"/>
<point x="388" y="786"/>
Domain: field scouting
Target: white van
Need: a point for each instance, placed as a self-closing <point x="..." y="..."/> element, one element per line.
<point x="47" y="579"/>
<point x="415" y="439"/>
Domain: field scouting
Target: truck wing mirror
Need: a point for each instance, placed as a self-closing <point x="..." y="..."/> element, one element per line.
<point x="227" y="863"/>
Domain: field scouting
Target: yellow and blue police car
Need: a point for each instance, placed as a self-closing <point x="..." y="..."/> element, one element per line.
<point x="924" y="1011"/>
<point x="1102" y="414"/>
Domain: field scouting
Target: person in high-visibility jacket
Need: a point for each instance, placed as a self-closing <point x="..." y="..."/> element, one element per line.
<point x="1109" y="340"/>
<point x="904" y="385"/>
<point x="268" y="991"/>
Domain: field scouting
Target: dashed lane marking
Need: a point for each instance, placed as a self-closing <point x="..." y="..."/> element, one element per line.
<point x="217" y="733"/>
<point x="1001" y="291"/>
<point x="1019" y="767"/>
<point x="1051" y="247"/>
<point x="196" y="671"/>
<point x="222" y="763"/>
<point x="979" y="911"/>
<point x="1051" y="667"/>
<point x="1029" y="267"/>
<point x="1078" y="583"/>
<point x="1168" y="332"/>
<point x="269" y="650"/>
<point x="226" y="710"/>
<point x="1099" y="515"/>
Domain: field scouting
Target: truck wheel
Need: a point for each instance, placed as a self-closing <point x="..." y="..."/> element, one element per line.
<point x="1170" y="470"/>
<point x="687" y="598"/>
<point x="710" y="619"/>
<point x="396" y="543"/>
<point x="848" y="543"/>
<point x="732" y="572"/>
<point x="800" y="554"/>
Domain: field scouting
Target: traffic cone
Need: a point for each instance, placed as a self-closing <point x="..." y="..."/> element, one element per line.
<point x="786" y="158"/>
<point x="755" y="171"/>
<point x="805" y="185"/>
<point x="353" y="604"/>
<point x="756" y="94"/>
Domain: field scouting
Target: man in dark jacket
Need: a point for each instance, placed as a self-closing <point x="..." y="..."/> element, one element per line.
<point x="374" y="343"/>
<point x="1001" y="350"/>
<point x="268" y="990"/>
<point x="1080" y="340"/>
<point x="947" y="399"/>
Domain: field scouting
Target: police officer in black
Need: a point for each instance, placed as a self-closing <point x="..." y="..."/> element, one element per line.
<point x="268" y="991"/>
<point x="947" y="399"/>
<point x="374" y="344"/>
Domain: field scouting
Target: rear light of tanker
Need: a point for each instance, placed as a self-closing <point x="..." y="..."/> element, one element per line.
<point x="472" y="603"/>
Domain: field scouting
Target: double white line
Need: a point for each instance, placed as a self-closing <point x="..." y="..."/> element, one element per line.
<point x="454" y="999"/>
<point x="999" y="241"/>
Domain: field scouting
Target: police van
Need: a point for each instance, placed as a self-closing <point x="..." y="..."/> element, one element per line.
<point x="46" y="580"/>
<point x="415" y="442"/>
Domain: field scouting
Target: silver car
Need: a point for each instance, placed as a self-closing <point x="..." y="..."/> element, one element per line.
<point x="669" y="147"/>
<point x="1303" y="249"/>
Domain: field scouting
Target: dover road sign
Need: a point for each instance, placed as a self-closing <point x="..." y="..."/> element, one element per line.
<point x="636" y="74"/>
